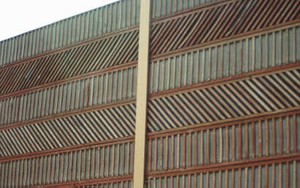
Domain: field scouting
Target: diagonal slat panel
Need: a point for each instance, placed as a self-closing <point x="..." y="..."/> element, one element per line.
<point x="110" y="123"/>
<point x="241" y="98"/>
<point x="89" y="57"/>
<point x="220" y="21"/>
<point x="71" y="31"/>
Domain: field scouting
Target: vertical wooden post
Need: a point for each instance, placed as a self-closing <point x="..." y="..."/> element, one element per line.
<point x="141" y="99"/>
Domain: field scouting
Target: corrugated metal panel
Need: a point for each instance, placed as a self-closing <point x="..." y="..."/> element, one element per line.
<point x="105" y="88"/>
<point x="224" y="143"/>
<point x="161" y="8"/>
<point x="218" y="22"/>
<point x="113" y="17"/>
<point x="226" y="59"/>
<point x="107" y="124"/>
<point x="94" y="163"/>
<point x="101" y="54"/>
<point x="245" y="97"/>
<point x="274" y="175"/>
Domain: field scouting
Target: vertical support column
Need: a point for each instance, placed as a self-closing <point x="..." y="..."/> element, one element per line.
<point x="141" y="98"/>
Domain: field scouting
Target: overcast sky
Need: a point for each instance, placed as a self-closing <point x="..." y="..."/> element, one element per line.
<point x="20" y="16"/>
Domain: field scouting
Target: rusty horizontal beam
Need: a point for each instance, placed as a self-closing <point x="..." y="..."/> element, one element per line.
<point x="226" y="166"/>
<point x="226" y="80"/>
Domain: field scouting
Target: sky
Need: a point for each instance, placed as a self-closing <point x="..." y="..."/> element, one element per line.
<point x="20" y="16"/>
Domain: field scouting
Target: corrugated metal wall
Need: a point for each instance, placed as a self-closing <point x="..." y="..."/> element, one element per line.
<point x="223" y="104"/>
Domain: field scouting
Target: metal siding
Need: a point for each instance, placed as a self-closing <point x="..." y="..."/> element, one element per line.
<point x="211" y="103"/>
<point x="223" y="143"/>
<point x="91" y="127"/>
<point x="279" y="175"/>
<point x="221" y="60"/>
<point x="56" y="167"/>
<point x="71" y="63"/>
<point x="223" y="101"/>
<point x="61" y="98"/>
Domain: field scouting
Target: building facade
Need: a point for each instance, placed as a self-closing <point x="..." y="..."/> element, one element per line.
<point x="211" y="87"/>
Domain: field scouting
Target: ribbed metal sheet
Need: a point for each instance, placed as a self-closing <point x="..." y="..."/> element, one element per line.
<point x="80" y="94"/>
<point x="226" y="59"/>
<point x="104" y="53"/>
<point x="218" y="22"/>
<point x="273" y="175"/>
<point x="94" y="163"/>
<point x="235" y="99"/>
<point x="95" y="126"/>
<point x="91" y="24"/>
<point x="224" y="143"/>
